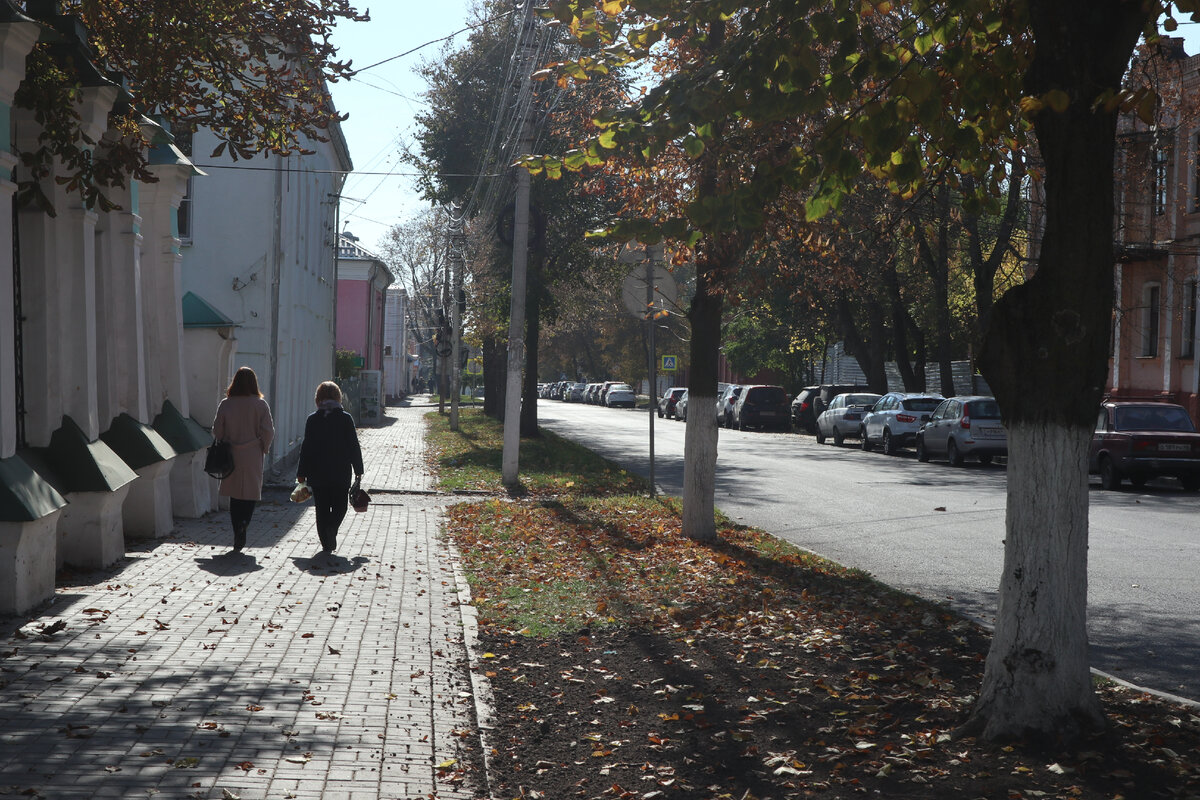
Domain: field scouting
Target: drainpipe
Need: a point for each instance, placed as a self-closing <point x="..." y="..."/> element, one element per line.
<point x="276" y="268"/>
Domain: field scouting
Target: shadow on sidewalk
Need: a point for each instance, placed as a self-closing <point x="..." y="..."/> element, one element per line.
<point x="230" y="563"/>
<point x="329" y="564"/>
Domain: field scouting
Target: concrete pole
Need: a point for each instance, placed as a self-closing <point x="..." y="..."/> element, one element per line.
<point x="516" y="315"/>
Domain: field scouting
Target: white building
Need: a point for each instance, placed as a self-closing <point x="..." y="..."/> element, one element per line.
<point x="398" y="364"/>
<point x="259" y="261"/>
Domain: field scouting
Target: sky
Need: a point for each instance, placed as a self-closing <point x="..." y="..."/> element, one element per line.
<point x="382" y="102"/>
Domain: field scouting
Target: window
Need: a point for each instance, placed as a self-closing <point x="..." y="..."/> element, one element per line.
<point x="1150" y="320"/>
<point x="1196" y="177"/>
<point x="1188" y="334"/>
<point x="1160" y="181"/>
<point x="183" y="140"/>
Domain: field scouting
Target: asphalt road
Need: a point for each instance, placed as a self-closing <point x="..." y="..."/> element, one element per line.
<point x="937" y="531"/>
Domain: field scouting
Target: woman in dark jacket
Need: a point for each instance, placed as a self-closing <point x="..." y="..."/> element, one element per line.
<point x="328" y="454"/>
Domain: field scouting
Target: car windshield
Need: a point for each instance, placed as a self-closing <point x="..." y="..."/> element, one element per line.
<point x="767" y="394"/>
<point x="921" y="403"/>
<point x="620" y="387"/>
<point x="984" y="409"/>
<point x="1149" y="418"/>
<point x="861" y="399"/>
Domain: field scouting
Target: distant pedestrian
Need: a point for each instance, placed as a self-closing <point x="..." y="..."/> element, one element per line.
<point x="244" y="420"/>
<point x="328" y="455"/>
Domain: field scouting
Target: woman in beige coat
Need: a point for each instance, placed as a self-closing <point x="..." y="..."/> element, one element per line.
<point x="244" y="420"/>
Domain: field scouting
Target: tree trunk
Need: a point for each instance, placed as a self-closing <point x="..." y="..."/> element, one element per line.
<point x="901" y="324"/>
<point x="1037" y="667"/>
<point x="493" y="378"/>
<point x="700" y="434"/>
<point x="867" y="352"/>
<point x="1045" y="355"/>
<point x="533" y="329"/>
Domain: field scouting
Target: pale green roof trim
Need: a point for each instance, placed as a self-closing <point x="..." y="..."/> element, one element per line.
<point x="199" y="313"/>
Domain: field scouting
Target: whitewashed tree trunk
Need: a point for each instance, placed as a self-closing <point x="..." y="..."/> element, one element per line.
<point x="700" y="468"/>
<point x="1036" y="677"/>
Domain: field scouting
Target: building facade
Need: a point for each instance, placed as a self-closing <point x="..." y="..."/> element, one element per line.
<point x="362" y="282"/>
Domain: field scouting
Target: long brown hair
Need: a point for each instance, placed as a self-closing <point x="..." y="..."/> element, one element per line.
<point x="244" y="384"/>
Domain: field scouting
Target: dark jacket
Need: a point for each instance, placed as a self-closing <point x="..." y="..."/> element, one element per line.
<point x="330" y="450"/>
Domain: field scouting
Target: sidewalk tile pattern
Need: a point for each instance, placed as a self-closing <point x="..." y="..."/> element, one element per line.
<point x="190" y="672"/>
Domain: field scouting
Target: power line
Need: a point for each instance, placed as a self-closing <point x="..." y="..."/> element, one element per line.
<point x="430" y="42"/>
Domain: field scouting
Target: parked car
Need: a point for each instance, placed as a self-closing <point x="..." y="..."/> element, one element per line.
<point x="620" y="395"/>
<point x="725" y="401"/>
<point x="593" y="393"/>
<point x="761" y="406"/>
<point x="803" y="405"/>
<point x="843" y="418"/>
<point x="574" y="394"/>
<point x="961" y="428"/>
<point x="1143" y="440"/>
<point x="666" y="403"/>
<point x="895" y="418"/>
<point x="602" y="395"/>
<point x="681" y="407"/>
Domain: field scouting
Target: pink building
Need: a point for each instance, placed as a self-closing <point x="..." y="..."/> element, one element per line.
<point x="362" y="282"/>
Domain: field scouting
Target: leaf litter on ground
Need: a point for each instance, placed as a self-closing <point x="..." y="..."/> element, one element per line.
<point x="627" y="660"/>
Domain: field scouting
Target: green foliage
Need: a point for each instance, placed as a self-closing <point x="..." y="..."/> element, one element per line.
<point x="346" y="362"/>
<point x="254" y="71"/>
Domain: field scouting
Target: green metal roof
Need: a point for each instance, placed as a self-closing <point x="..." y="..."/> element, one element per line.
<point x="136" y="443"/>
<point x="184" y="434"/>
<point x="198" y="313"/>
<point x="78" y="465"/>
<point x="24" y="495"/>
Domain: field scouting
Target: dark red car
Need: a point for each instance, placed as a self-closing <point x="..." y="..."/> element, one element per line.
<point x="1144" y="440"/>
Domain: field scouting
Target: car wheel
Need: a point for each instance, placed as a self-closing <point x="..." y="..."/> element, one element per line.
<point x="660" y="414"/>
<point x="741" y="426"/>
<point x="866" y="443"/>
<point x="1191" y="483"/>
<point x="952" y="455"/>
<point x="889" y="443"/>
<point x="922" y="453"/>
<point x="838" y="438"/>
<point x="820" y="436"/>
<point x="985" y="459"/>
<point x="1110" y="477"/>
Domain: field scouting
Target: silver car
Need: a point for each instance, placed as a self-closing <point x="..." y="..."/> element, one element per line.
<point x="961" y="428"/>
<point x="895" y="418"/>
<point x="843" y="417"/>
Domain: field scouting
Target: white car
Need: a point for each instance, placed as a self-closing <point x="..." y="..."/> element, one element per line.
<point x="895" y="418"/>
<point x="843" y="417"/>
<point x="620" y="395"/>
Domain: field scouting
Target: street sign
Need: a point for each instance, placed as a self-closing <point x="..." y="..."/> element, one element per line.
<point x="475" y="366"/>
<point x="633" y="290"/>
<point x="670" y="363"/>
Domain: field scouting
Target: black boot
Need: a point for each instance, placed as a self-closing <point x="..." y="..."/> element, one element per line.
<point x="239" y="536"/>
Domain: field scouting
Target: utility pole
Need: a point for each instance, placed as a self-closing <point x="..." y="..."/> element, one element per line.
<point x="516" y="314"/>
<point x="456" y="266"/>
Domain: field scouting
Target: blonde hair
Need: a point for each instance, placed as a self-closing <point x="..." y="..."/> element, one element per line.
<point x="328" y="390"/>
<point x="244" y="384"/>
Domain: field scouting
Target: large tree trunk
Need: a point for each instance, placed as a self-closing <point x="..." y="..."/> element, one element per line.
<point x="1046" y="356"/>
<point x="533" y="330"/>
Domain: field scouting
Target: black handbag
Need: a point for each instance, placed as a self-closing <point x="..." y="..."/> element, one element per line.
<point x="219" y="461"/>
<point x="359" y="499"/>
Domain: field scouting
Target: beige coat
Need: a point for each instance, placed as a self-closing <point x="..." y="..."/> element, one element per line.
<point x="246" y="423"/>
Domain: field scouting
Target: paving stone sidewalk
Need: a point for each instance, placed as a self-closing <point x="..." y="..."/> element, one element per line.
<point x="188" y="672"/>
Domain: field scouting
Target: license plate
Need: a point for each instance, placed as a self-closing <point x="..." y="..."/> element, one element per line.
<point x="1175" y="448"/>
<point x="766" y="413"/>
<point x="992" y="432"/>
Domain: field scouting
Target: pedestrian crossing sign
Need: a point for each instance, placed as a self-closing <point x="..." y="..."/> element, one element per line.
<point x="670" y="363"/>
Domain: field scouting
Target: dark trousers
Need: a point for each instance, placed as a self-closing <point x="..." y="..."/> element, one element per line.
<point x="330" y="502"/>
<point x="240" y="511"/>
